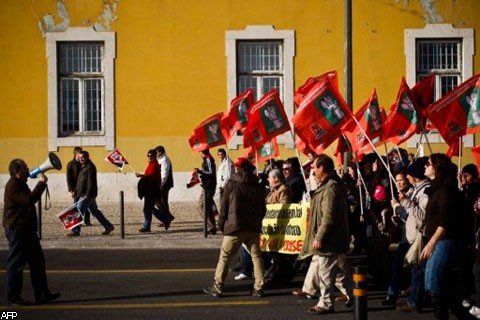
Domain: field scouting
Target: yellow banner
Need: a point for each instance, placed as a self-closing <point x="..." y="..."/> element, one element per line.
<point x="284" y="228"/>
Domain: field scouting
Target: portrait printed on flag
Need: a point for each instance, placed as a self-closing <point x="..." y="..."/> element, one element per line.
<point x="213" y="132"/>
<point x="70" y="217"/>
<point x="373" y="117"/>
<point x="471" y="104"/>
<point x="272" y="118"/>
<point x="328" y="106"/>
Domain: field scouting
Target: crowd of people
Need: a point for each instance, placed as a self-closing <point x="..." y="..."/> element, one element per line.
<point x="375" y="208"/>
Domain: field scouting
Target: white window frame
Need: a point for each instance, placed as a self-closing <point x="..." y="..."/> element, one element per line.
<point x="439" y="31"/>
<point x="262" y="32"/>
<point x="107" y="138"/>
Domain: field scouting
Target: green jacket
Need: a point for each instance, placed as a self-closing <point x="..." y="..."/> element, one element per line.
<point x="329" y="218"/>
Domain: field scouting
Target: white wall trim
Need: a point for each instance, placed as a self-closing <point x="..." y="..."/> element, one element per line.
<point x="439" y="31"/>
<point x="81" y="34"/>
<point x="262" y="32"/>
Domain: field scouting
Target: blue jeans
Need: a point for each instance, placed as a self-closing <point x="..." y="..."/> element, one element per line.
<point x="438" y="265"/>
<point x="397" y="269"/>
<point x="90" y="204"/>
<point x="417" y="288"/>
<point x="149" y="210"/>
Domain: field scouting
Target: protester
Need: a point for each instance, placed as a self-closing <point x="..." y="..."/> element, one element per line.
<point x="225" y="170"/>
<point x="240" y="220"/>
<point x="166" y="172"/>
<point x="443" y="227"/>
<point x="149" y="189"/>
<point x="328" y="236"/>
<point x="20" y="223"/>
<point x="208" y="177"/>
<point x="405" y="191"/>
<point x="86" y="191"/>
<point x="291" y="170"/>
<point x="73" y="168"/>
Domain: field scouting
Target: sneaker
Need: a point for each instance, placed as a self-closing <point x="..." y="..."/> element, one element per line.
<point x="407" y="308"/>
<point x="389" y="301"/>
<point x="72" y="234"/>
<point x="213" y="290"/>
<point x="257" y="293"/>
<point x="466" y="303"/>
<point x="475" y="311"/>
<point x="320" y="310"/>
<point x="107" y="231"/>
<point x="241" y="276"/>
<point x="143" y="230"/>
<point x="342" y="297"/>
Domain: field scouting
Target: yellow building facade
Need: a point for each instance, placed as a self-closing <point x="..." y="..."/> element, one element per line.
<point x="131" y="75"/>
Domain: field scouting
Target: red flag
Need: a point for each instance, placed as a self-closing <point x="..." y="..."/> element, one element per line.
<point x="264" y="153"/>
<point x="194" y="179"/>
<point x="370" y="119"/>
<point x="207" y="134"/>
<point x="302" y="91"/>
<point x="343" y="146"/>
<point x="402" y="121"/>
<point x="302" y="146"/>
<point x="423" y="94"/>
<point x="70" y="217"/>
<point x="473" y="101"/>
<point x="377" y="140"/>
<point x="117" y="159"/>
<point x="476" y="155"/>
<point x="450" y="114"/>
<point x="453" y="149"/>
<point x="237" y="116"/>
<point x="266" y="120"/>
<point x="321" y="114"/>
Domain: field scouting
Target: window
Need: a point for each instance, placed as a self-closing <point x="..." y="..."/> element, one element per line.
<point x="80" y="88"/>
<point x="260" y="67"/>
<point x="261" y="58"/>
<point x="445" y="51"/>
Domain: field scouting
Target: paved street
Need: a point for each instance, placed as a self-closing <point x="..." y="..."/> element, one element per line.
<point x="165" y="283"/>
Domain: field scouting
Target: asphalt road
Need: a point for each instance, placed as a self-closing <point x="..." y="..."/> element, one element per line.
<point x="165" y="284"/>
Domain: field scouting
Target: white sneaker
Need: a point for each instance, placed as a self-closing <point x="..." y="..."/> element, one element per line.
<point x="466" y="303"/>
<point x="241" y="276"/>
<point x="474" y="311"/>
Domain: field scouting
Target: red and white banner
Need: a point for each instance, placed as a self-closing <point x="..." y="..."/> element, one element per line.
<point x="117" y="159"/>
<point x="70" y="217"/>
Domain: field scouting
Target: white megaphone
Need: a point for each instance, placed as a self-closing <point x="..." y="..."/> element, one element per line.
<point x="53" y="162"/>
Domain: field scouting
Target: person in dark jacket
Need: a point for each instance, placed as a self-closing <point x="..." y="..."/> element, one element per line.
<point x="20" y="223"/>
<point x="291" y="170"/>
<point x="240" y="220"/>
<point x="151" y="193"/>
<point x="73" y="168"/>
<point x="86" y="191"/>
<point x="208" y="176"/>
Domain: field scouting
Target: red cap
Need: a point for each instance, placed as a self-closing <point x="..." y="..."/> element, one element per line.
<point x="240" y="161"/>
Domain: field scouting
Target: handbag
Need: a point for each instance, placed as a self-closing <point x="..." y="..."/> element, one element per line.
<point x="412" y="258"/>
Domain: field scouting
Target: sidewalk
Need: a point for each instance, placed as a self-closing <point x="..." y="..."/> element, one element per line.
<point x="186" y="231"/>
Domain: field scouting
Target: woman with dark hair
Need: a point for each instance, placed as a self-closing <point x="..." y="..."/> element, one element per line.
<point x="443" y="222"/>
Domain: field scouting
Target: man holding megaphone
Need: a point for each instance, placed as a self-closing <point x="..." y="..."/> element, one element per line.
<point x="20" y="223"/>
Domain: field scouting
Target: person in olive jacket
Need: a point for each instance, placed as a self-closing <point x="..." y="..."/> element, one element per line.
<point x="240" y="220"/>
<point x="328" y="237"/>
<point x="20" y="223"/>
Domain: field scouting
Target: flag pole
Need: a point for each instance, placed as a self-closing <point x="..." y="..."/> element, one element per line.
<point x="374" y="149"/>
<point x="460" y="153"/>
<point x="426" y="137"/>
<point x="298" y="157"/>
<point x="388" y="169"/>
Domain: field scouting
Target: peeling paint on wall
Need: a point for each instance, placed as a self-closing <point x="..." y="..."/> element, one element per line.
<point x="108" y="16"/>
<point x="429" y="12"/>
<point x="48" y="22"/>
